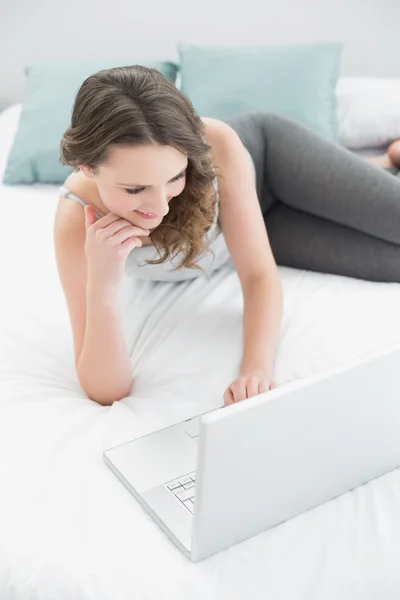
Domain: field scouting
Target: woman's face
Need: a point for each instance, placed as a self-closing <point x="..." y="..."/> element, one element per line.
<point x="140" y="178"/>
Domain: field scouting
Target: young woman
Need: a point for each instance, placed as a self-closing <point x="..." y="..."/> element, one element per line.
<point x="170" y="195"/>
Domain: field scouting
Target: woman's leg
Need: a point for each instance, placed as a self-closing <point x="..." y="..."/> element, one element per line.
<point x="303" y="241"/>
<point x="325" y="208"/>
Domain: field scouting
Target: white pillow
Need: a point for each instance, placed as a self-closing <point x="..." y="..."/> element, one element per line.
<point x="368" y="111"/>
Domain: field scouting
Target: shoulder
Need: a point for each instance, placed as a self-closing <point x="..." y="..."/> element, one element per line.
<point x="77" y="183"/>
<point x="84" y="188"/>
<point x="227" y="146"/>
<point x="219" y="134"/>
<point x="230" y="154"/>
<point x="69" y="217"/>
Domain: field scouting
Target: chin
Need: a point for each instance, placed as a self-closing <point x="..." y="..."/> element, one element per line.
<point x="152" y="227"/>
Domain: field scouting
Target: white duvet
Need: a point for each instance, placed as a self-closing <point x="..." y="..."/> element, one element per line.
<point x="69" y="529"/>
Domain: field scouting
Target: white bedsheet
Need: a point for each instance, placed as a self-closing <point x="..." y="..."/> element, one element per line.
<point x="69" y="529"/>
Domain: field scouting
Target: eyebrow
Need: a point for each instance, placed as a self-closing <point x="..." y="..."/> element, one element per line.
<point x="145" y="186"/>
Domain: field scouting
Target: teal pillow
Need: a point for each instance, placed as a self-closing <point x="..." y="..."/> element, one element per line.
<point x="46" y="113"/>
<point x="296" y="81"/>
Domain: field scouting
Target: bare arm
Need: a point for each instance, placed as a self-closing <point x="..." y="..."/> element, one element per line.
<point x="247" y="240"/>
<point x="101" y="359"/>
<point x="103" y="367"/>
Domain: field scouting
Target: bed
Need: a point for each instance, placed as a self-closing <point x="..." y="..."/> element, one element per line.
<point x="68" y="528"/>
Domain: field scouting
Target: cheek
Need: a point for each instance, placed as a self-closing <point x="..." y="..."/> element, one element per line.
<point x="179" y="187"/>
<point x="124" y="202"/>
<point x="117" y="200"/>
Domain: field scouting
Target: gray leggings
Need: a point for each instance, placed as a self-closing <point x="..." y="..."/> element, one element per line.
<point x="325" y="209"/>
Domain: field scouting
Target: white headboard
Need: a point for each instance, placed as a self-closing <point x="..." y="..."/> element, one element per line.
<point x="33" y="30"/>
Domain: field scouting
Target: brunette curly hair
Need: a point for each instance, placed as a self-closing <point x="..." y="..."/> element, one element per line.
<point x="136" y="105"/>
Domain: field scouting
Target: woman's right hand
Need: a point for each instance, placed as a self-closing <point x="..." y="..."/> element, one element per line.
<point x="109" y="240"/>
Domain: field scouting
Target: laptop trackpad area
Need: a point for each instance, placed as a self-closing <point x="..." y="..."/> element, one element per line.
<point x="156" y="458"/>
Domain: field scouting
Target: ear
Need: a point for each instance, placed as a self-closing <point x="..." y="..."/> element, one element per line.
<point x="87" y="171"/>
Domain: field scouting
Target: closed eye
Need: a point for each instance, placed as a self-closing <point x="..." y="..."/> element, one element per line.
<point x="138" y="190"/>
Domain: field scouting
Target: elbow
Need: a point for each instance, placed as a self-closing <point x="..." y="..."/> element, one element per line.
<point x="104" y="396"/>
<point x="264" y="280"/>
<point x="103" y="401"/>
<point x="104" y="392"/>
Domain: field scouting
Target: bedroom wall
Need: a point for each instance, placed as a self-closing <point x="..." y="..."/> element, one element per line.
<point x="33" y="30"/>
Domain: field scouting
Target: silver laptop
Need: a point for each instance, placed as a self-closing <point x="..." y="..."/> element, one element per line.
<point x="226" y="475"/>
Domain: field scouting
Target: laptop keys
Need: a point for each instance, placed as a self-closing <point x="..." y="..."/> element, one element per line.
<point x="174" y="486"/>
<point x="183" y="489"/>
<point x="186" y="481"/>
<point x="189" y="505"/>
<point x="185" y="494"/>
<point x="182" y="481"/>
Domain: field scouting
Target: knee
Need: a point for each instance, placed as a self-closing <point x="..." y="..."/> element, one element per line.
<point x="270" y="120"/>
<point x="280" y="131"/>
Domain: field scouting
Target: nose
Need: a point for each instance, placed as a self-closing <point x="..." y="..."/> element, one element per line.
<point x="159" y="205"/>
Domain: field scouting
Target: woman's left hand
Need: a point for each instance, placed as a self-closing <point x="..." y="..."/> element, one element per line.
<point x="248" y="384"/>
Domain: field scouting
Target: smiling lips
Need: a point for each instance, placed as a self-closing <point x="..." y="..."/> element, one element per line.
<point x="145" y="215"/>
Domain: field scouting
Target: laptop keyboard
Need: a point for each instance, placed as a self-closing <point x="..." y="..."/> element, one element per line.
<point x="183" y="489"/>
